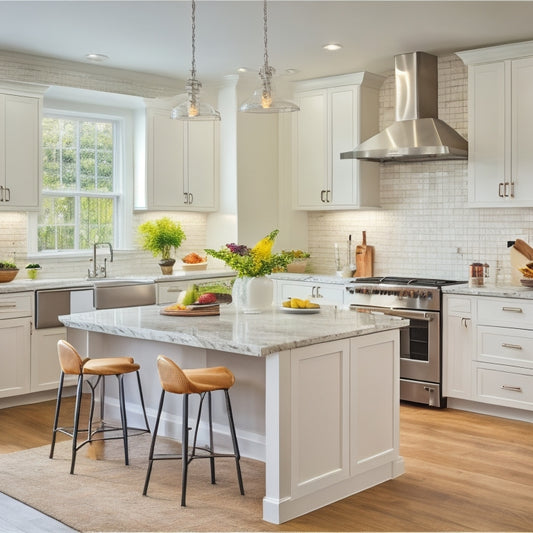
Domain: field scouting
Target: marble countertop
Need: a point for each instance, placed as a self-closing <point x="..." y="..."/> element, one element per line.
<point x="502" y="291"/>
<point x="311" y="278"/>
<point x="255" y="335"/>
<point x="25" y="285"/>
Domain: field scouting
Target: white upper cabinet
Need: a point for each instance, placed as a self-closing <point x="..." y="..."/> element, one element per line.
<point x="182" y="163"/>
<point x="20" y="151"/>
<point x="336" y="114"/>
<point x="500" y="125"/>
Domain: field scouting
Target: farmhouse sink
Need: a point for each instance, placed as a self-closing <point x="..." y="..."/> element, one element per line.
<point x="111" y="293"/>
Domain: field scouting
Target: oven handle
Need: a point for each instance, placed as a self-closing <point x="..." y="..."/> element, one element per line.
<point x="402" y="313"/>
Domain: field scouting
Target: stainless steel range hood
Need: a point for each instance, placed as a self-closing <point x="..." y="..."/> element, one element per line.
<point x="417" y="134"/>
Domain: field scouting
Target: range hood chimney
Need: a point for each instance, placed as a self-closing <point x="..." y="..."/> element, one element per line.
<point x="417" y="134"/>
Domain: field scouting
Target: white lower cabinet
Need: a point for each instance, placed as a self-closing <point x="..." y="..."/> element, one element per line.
<point x="339" y="390"/>
<point x="45" y="369"/>
<point x="493" y="361"/>
<point x="15" y="356"/>
<point x="15" y="329"/>
<point x="321" y="293"/>
<point x="457" y="342"/>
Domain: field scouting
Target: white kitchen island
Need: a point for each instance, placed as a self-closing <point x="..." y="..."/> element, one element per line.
<point x="316" y="395"/>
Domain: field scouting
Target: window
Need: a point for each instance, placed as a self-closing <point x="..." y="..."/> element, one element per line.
<point x="80" y="194"/>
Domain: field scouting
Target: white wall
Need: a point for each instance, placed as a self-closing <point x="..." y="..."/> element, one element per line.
<point x="424" y="227"/>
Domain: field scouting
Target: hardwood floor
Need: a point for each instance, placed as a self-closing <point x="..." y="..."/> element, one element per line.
<point x="464" y="472"/>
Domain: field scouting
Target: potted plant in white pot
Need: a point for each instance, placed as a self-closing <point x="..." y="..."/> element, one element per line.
<point x="160" y="237"/>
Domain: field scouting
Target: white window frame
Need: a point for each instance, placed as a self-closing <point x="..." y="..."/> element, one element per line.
<point x="123" y="167"/>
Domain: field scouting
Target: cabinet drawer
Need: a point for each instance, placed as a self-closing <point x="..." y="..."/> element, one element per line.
<point x="505" y="346"/>
<point x="15" y="305"/>
<point x="457" y="304"/>
<point x="509" y="389"/>
<point x="514" y="313"/>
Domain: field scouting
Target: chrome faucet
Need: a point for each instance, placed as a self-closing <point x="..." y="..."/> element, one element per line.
<point x="97" y="270"/>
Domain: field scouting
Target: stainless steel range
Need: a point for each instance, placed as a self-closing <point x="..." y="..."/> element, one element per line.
<point x="419" y="300"/>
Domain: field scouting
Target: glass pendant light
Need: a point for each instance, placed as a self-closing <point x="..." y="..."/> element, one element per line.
<point x="193" y="108"/>
<point x="263" y="100"/>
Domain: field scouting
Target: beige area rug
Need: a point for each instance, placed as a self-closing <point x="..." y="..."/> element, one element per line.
<point x="106" y="495"/>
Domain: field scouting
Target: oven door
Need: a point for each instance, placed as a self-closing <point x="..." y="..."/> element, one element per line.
<point x="419" y="342"/>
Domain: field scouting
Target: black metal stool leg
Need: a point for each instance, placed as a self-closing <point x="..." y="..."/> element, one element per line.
<point x="184" y="447"/>
<point x="79" y="391"/>
<point x="123" y="417"/>
<point x="152" y="445"/>
<point x="56" y="416"/>
<point x="142" y="400"/>
<point x="211" y="445"/>
<point x="234" y="439"/>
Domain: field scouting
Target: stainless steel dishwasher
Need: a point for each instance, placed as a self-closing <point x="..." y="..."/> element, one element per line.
<point x="51" y="303"/>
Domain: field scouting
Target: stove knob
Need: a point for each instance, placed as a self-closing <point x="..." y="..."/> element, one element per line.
<point x="412" y="293"/>
<point x="422" y="294"/>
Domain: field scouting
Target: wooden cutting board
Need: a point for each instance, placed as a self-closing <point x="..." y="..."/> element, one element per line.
<point x="364" y="259"/>
<point x="196" y="310"/>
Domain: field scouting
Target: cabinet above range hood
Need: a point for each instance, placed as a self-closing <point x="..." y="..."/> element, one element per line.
<point x="417" y="134"/>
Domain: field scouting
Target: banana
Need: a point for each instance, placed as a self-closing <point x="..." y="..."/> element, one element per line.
<point x="298" y="303"/>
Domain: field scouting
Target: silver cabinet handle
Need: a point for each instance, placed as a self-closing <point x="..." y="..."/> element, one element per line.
<point x="191" y="198"/>
<point x="464" y="322"/>
<point x="327" y="196"/>
<point x="318" y="295"/>
<point x="185" y="198"/>
<point x="505" y="187"/>
<point x="8" y="194"/>
<point x="511" y="194"/>
<point x="500" y="186"/>
<point x="174" y="289"/>
<point x="511" y="388"/>
<point x="513" y="346"/>
<point x="7" y="305"/>
<point x="513" y="309"/>
<point x="1" y="193"/>
<point x="322" y="193"/>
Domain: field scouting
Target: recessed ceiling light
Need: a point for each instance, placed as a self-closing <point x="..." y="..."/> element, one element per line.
<point x="96" y="58"/>
<point x="243" y="69"/>
<point x="290" y="71"/>
<point x="332" y="46"/>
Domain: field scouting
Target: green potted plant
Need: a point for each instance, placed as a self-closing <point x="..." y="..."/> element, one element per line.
<point x="160" y="237"/>
<point x="8" y="271"/>
<point x="32" y="270"/>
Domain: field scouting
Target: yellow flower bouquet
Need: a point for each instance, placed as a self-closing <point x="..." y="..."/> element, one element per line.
<point x="253" y="262"/>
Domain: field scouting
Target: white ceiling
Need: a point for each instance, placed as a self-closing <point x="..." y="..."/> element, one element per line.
<point x="154" y="36"/>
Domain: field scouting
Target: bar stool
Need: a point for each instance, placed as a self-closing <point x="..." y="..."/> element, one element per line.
<point x="200" y="381"/>
<point x="71" y="363"/>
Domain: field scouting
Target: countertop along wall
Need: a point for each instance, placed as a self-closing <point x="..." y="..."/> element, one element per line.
<point x="424" y="227"/>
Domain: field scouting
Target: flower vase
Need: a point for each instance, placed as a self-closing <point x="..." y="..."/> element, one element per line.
<point x="252" y="294"/>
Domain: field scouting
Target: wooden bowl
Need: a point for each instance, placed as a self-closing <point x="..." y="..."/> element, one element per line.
<point x="8" y="274"/>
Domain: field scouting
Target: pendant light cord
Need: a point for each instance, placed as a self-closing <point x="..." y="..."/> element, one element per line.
<point x="193" y="26"/>
<point x="265" y="32"/>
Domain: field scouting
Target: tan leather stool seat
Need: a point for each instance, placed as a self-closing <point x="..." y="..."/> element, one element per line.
<point x="192" y="381"/>
<point x="202" y="381"/>
<point x="110" y="366"/>
<point x="71" y="363"/>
